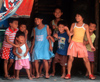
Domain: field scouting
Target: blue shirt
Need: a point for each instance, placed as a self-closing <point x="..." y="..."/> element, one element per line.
<point x="62" y="43"/>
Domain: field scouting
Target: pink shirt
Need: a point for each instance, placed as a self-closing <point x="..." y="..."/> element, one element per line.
<point x="11" y="35"/>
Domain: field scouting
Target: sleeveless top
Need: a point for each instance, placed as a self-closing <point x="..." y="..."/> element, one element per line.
<point x="79" y="33"/>
<point x="23" y="48"/>
<point x="41" y="47"/>
<point x="63" y="43"/>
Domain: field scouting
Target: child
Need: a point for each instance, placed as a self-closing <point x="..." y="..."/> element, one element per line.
<point x="92" y="28"/>
<point x="22" y="59"/>
<point x="63" y="40"/>
<point x="22" y="28"/>
<point x="8" y="44"/>
<point x="76" y="47"/>
<point x="41" y="45"/>
<point x="57" y="13"/>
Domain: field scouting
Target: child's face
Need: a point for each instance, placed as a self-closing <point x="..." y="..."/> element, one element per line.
<point x="61" y="28"/>
<point x="78" y="18"/>
<point x="38" y="21"/>
<point x="50" y="31"/>
<point x="22" y="28"/>
<point x="14" y="24"/>
<point x="92" y="27"/>
<point x="21" y="39"/>
<point x="58" y="13"/>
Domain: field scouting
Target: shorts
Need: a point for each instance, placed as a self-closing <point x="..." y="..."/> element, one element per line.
<point x="62" y="59"/>
<point x="91" y="56"/>
<point x="77" y="49"/>
<point x="22" y="63"/>
<point x="11" y="56"/>
<point x="5" y="53"/>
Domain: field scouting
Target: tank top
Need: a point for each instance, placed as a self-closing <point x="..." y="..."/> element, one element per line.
<point x="79" y="33"/>
<point x="23" y="48"/>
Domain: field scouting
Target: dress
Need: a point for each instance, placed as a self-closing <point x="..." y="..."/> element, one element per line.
<point x="41" y="47"/>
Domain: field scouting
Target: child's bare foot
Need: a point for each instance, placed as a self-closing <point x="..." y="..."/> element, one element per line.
<point x="37" y="76"/>
<point x="17" y="78"/>
<point x="13" y="77"/>
<point x="63" y="76"/>
<point x="47" y="76"/>
<point x="52" y="74"/>
<point x="33" y="76"/>
<point x="30" y="78"/>
<point x="41" y="75"/>
<point x="7" y="76"/>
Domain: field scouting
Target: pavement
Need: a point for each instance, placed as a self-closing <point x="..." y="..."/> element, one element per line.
<point x="80" y="78"/>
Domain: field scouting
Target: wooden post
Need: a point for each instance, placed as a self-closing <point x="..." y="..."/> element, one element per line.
<point x="1" y="1"/>
<point x="97" y="34"/>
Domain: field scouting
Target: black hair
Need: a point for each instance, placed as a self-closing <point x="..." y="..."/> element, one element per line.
<point x="19" y="33"/>
<point x="63" y="22"/>
<point x="11" y="20"/>
<point x="32" y="38"/>
<point x="93" y="22"/>
<point x="58" y="7"/>
<point x="39" y="15"/>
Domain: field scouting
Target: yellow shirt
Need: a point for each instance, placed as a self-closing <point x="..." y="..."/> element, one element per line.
<point x="93" y="36"/>
<point x="79" y="33"/>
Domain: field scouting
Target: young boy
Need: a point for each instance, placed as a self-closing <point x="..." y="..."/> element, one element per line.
<point x="92" y="28"/>
<point x="63" y="41"/>
<point x="76" y="47"/>
<point x="9" y="43"/>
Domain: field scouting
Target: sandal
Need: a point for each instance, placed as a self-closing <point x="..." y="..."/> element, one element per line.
<point x="68" y="76"/>
<point x="92" y="77"/>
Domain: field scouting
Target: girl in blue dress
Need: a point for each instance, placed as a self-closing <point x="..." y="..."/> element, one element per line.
<point x="40" y="46"/>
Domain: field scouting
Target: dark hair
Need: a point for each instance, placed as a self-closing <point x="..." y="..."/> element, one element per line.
<point x="63" y="22"/>
<point x="82" y="13"/>
<point x="93" y="22"/>
<point x="11" y="20"/>
<point x="58" y="7"/>
<point x="32" y="38"/>
<point x="19" y="33"/>
<point x="39" y="15"/>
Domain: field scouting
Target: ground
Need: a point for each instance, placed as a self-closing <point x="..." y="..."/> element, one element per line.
<point x="53" y="79"/>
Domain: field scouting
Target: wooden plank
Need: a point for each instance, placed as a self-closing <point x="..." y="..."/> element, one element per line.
<point x="1" y="1"/>
<point x="97" y="34"/>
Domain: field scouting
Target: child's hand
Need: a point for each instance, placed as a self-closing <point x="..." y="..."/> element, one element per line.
<point x="50" y="48"/>
<point x="48" y="37"/>
<point x="54" y="27"/>
<point x="17" y="46"/>
<point x="56" y="35"/>
<point x="30" y="51"/>
<point x="26" y="32"/>
<point x="93" y="48"/>
<point x="25" y="54"/>
<point x="66" y="28"/>
<point x="19" y="56"/>
<point x="70" y="34"/>
<point x="19" y="50"/>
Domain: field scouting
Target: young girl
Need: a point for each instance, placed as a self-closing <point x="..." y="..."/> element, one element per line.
<point x="41" y="45"/>
<point x="22" y="28"/>
<point x="21" y="59"/>
<point x="76" y="47"/>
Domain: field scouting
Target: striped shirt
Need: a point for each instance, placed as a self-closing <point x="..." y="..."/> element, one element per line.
<point x="11" y="34"/>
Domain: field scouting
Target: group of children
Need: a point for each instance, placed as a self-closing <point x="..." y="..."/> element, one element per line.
<point x="58" y="40"/>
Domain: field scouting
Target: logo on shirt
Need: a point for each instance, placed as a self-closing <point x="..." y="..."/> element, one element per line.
<point x="39" y="37"/>
<point x="61" y="43"/>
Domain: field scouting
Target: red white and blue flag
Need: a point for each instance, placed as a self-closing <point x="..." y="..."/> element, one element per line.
<point x="15" y="8"/>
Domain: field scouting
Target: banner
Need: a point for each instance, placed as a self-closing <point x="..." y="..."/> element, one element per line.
<point x="15" y="8"/>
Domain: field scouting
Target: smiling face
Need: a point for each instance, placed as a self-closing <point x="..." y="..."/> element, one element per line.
<point x="22" y="28"/>
<point x="92" y="27"/>
<point x="14" y="24"/>
<point x="38" y="21"/>
<point x="78" y="18"/>
<point x="58" y="13"/>
<point x="21" y="39"/>
<point x="61" y="28"/>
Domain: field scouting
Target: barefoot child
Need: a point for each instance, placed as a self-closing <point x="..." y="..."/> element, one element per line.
<point x="8" y="44"/>
<point x="21" y="59"/>
<point x="76" y="47"/>
<point x="41" y="45"/>
<point x="63" y="41"/>
<point x="92" y="28"/>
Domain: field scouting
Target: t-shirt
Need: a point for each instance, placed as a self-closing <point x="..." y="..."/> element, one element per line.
<point x="93" y="36"/>
<point x="62" y="43"/>
<point x="11" y="35"/>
